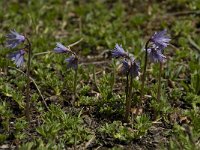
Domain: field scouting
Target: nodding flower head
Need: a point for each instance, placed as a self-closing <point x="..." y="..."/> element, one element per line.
<point x="14" y="39"/>
<point x="155" y="54"/>
<point x="118" y="51"/>
<point x="134" y="68"/>
<point x="130" y="66"/>
<point x="125" y="67"/>
<point x="160" y="39"/>
<point x="18" y="57"/>
<point x="72" y="62"/>
<point x="61" y="48"/>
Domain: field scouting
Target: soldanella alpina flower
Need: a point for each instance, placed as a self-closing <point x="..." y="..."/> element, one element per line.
<point x="72" y="62"/>
<point x="160" y="39"/>
<point x="134" y="68"/>
<point x="118" y="51"/>
<point x="18" y="57"/>
<point x="155" y="54"/>
<point x="130" y="67"/>
<point x="125" y="67"/>
<point x="61" y="48"/>
<point x="14" y="39"/>
<point x="154" y="50"/>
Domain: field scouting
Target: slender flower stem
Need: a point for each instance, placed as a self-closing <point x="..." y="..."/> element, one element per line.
<point x="75" y="83"/>
<point x="145" y="68"/>
<point x="159" y="82"/>
<point x="27" y="109"/>
<point x="128" y="103"/>
<point x="130" y="93"/>
<point x="127" y="97"/>
<point x="127" y="90"/>
<point x="113" y="77"/>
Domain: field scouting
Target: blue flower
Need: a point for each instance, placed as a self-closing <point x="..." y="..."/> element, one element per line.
<point x="18" y="57"/>
<point x="131" y="67"/>
<point x="61" y="48"/>
<point x="72" y="62"/>
<point x="155" y="54"/>
<point x="134" y="68"/>
<point x="118" y="51"/>
<point x="14" y="39"/>
<point x="125" y="67"/>
<point x="160" y="39"/>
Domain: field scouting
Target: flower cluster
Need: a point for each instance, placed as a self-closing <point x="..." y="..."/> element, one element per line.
<point x="159" y="41"/>
<point x="72" y="61"/>
<point x="129" y="65"/>
<point x="13" y="40"/>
